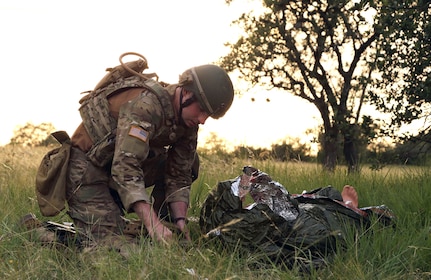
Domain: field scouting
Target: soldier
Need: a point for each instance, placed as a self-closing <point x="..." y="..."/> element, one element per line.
<point x="136" y="133"/>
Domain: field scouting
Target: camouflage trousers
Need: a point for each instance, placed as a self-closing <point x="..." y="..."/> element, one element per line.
<point x="94" y="207"/>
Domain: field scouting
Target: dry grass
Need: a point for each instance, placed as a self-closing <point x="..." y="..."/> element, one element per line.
<point x="403" y="253"/>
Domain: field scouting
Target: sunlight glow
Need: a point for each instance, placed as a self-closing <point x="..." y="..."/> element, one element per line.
<point x="56" y="50"/>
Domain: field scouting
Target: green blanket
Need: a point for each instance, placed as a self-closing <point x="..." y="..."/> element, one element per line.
<point x="316" y="224"/>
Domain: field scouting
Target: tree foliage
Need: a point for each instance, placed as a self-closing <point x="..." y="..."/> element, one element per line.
<point x="327" y="52"/>
<point x="33" y="135"/>
<point x="404" y="61"/>
<point x="317" y="50"/>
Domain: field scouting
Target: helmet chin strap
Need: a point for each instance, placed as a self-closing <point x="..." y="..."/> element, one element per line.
<point x="186" y="103"/>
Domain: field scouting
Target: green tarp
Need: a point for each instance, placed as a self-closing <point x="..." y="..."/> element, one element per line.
<point x="318" y="228"/>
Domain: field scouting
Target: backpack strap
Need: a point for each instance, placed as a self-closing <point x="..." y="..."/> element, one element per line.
<point x="164" y="99"/>
<point x="61" y="136"/>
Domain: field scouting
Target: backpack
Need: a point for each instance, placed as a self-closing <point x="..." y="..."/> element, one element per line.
<point x="51" y="177"/>
<point x="94" y="109"/>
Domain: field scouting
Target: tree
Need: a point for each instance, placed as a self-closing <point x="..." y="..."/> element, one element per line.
<point x="33" y="135"/>
<point x="404" y="61"/>
<point x="322" y="51"/>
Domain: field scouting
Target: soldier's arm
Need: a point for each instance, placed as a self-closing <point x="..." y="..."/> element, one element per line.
<point x="179" y="167"/>
<point x="179" y="212"/>
<point x="137" y="122"/>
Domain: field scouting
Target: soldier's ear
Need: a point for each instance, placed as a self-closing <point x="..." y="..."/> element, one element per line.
<point x="187" y="93"/>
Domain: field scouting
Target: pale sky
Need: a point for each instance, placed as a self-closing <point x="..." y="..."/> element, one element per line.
<point x="52" y="50"/>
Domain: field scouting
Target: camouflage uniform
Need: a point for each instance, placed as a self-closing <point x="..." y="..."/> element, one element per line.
<point x="146" y="147"/>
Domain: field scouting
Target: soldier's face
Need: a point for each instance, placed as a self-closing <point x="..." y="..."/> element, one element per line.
<point x="194" y="115"/>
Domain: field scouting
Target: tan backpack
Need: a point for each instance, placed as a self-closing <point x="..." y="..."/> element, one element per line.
<point x="51" y="177"/>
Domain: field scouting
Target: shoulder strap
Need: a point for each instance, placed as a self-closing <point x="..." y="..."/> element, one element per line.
<point x="61" y="136"/>
<point x="163" y="97"/>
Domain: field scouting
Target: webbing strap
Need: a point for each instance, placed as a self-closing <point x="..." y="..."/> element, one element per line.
<point x="61" y="136"/>
<point x="164" y="99"/>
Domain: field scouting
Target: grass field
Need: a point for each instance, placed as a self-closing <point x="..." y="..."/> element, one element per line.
<point x="400" y="253"/>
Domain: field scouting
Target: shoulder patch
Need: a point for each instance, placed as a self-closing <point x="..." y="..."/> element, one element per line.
<point x="138" y="132"/>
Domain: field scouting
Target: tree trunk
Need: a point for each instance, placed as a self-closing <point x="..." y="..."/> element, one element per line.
<point x="351" y="154"/>
<point x="330" y="149"/>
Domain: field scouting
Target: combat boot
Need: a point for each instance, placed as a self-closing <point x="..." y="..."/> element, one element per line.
<point x="38" y="232"/>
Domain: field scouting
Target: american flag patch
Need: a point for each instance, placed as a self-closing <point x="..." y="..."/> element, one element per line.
<point x="138" y="132"/>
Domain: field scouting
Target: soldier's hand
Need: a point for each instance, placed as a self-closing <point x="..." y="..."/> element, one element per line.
<point x="181" y="225"/>
<point x="152" y="223"/>
<point x="159" y="232"/>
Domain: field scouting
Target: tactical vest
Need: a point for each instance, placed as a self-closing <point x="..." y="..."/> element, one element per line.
<point x="101" y="125"/>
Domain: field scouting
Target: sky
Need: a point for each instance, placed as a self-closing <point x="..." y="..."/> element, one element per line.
<point x="52" y="50"/>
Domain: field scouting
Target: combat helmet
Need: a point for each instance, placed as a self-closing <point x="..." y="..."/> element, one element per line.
<point x="211" y="86"/>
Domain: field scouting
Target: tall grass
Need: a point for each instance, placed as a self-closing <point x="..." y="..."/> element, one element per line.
<point x="403" y="252"/>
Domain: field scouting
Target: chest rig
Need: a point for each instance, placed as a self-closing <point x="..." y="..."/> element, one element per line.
<point x="94" y="107"/>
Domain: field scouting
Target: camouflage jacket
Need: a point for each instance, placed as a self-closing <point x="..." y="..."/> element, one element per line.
<point x="144" y="130"/>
